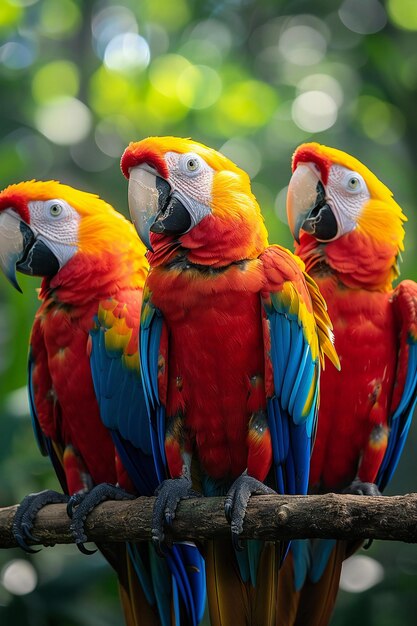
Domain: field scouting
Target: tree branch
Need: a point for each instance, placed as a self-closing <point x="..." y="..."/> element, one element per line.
<point x="268" y="517"/>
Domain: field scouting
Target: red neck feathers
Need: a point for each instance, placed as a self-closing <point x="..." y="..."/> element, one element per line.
<point x="356" y="260"/>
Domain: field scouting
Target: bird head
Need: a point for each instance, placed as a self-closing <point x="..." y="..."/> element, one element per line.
<point x="332" y="194"/>
<point x="45" y="224"/>
<point x="184" y="194"/>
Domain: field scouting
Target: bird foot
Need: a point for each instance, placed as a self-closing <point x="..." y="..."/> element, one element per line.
<point x="82" y="503"/>
<point x="24" y="518"/>
<point x="236" y="502"/>
<point x="168" y="495"/>
<point x="358" y="488"/>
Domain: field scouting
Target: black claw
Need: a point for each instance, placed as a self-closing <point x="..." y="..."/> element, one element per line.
<point x="237" y="542"/>
<point x="236" y="503"/>
<point x="22" y="544"/>
<point x="158" y="545"/>
<point x="85" y="550"/>
<point x="228" y="508"/>
<point x="74" y="501"/>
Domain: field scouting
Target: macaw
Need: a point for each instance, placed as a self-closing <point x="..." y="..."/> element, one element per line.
<point x="233" y="335"/>
<point x="348" y="230"/>
<point x="84" y="374"/>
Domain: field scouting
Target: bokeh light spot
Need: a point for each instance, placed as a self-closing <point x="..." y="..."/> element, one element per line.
<point x="249" y="103"/>
<point x="173" y="15"/>
<point x="59" y="19"/>
<point x="165" y="108"/>
<point x="324" y="83"/>
<point x="10" y="14"/>
<point x="215" y="32"/>
<point x="403" y="13"/>
<point x="109" y="91"/>
<point x="23" y="3"/>
<point x="18" y="54"/>
<point x="164" y="73"/>
<point x="17" y="402"/>
<point x="314" y="111"/>
<point x="59" y="78"/>
<point x="302" y="45"/>
<point x="362" y="17"/>
<point x="359" y="573"/>
<point x="199" y="86"/>
<point x="109" y="22"/>
<point x="65" y="121"/>
<point x="127" y="52"/>
<point x="19" y="577"/>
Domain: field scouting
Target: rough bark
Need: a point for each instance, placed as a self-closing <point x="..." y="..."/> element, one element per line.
<point x="268" y="517"/>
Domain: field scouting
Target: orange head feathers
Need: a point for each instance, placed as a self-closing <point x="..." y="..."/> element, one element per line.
<point x="338" y="203"/>
<point x="194" y="198"/>
<point x="45" y="224"/>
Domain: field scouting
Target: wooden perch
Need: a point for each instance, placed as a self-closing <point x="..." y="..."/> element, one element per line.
<point x="268" y="517"/>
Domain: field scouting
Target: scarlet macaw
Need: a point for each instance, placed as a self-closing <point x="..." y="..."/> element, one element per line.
<point x="84" y="372"/>
<point x="349" y="232"/>
<point x="232" y="336"/>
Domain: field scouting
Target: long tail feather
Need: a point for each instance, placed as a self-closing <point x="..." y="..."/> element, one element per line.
<point x="234" y="602"/>
<point x="313" y="605"/>
<point x="227" y="594"/>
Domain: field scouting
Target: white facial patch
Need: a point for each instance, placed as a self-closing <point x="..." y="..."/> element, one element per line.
<point x="192" y="181"/>
<point x="55" y="223"/>
<point x="346" y="193"/>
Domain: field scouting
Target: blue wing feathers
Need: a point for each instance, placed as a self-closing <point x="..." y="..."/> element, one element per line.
<point x="305" y="372"/>
<point x="292" y="363"/>
<point x="130" y="407"/>
<point x="289" y="426"/>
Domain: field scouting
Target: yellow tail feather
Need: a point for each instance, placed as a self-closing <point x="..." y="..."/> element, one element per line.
<point x="233" y="602"/>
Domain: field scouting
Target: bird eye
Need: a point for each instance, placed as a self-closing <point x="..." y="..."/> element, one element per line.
<point x="192" y="165"/>
<point x="55" y="210"/>
<point x="353" y="183"/>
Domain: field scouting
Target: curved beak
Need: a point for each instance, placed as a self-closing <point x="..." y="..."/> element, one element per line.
<point x="153" y="207"/>
<point x="21" y="250"/>
<point x="12" y="244"/>
<point x="307" y="208"/>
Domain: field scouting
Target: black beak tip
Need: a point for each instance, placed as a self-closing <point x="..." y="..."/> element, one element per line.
<point x="157" y="227"/>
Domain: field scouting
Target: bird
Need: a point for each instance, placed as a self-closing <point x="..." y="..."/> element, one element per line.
<point x="348" y="230"/>
<point x="84" y="373"/>
<point x="233" y="337"/>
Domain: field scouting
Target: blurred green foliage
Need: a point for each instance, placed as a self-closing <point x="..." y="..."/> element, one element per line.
<point x="80" y="79"/>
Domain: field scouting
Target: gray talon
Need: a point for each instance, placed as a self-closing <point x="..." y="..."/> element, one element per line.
<point x="26" y="513"/>
<point x="168" y="495"/>
<point x="81" y="504"/>
<point x="236" y="503"/>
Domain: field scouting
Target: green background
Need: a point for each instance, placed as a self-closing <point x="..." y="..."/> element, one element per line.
<point x="79" y="80"/>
